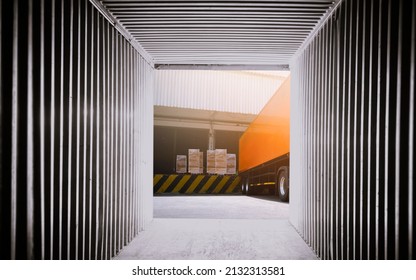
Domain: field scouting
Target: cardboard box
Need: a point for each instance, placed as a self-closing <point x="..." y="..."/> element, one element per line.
<point x="231" y="164"/>
<point x="181" y="164"/>
<point x="193" y="161"/>
<point x="201" y="162"/>
<point x="221" y="161"/>
<point x="211" y="161"/>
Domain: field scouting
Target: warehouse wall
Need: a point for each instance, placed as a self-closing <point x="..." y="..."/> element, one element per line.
<point x="243" y="92"/>
<point x="352" y="133"/>
<point x="76" y="121"/>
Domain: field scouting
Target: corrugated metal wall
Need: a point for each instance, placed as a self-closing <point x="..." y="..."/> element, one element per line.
<point x="225" y="91"/>
<point x="353" y="133"/>
<point x="76" y="133"/>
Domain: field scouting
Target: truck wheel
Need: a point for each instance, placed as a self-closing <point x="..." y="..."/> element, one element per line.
<point x="282" y="185"/>
<point x="244" y="186"/>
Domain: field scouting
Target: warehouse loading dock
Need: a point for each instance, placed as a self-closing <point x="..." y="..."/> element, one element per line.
<point x="204" y="209"/>
<point x="77" y="92"/>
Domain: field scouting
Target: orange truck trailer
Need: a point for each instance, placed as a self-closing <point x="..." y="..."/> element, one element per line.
<point x="264" y="148"/>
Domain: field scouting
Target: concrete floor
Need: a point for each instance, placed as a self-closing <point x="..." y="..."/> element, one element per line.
<point x="218" y="227"/>
<point x="221" y="207"/>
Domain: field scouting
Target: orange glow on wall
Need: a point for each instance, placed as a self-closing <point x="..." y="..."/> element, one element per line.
<point x="268" y="136"/>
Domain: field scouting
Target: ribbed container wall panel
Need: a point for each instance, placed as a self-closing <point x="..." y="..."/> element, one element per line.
<point x="352" y="133"/>
<point x="225" y="91"/>
<point x="76" y="126"/>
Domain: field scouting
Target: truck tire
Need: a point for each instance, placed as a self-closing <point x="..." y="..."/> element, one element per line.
<point x="282" y="184"/>
<point x="244" y="186"/>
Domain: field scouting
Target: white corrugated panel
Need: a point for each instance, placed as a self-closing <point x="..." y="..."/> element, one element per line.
<point x="144" y="132"/>
<point x="296" y="160"/>
<point x="225" y="32"/>
<point x="226" y="91"/>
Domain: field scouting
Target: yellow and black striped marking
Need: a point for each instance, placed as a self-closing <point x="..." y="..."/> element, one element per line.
<point x="201" y="184"/>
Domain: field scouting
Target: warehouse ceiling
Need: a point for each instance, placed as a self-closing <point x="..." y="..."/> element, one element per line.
<point x="218" y="33"/>
<point x="201" y="119"/>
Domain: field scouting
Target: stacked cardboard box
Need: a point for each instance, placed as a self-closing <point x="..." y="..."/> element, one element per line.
<point x="180" y="164"/>
<point x="201" y="162"/>
<point x="211" y="161"/>
<point x="218" y="162"/>
<point x="221" y="161"/>
<point x="231" y="164"/>
<point x="194" y="158"/>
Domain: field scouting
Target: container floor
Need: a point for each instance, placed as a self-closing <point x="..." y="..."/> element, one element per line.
<point x="218" y="227"/>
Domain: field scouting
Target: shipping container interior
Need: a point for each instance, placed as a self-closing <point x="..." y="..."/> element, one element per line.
<point x="79" y="141"/>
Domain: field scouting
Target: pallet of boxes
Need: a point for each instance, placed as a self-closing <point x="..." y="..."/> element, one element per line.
<point x="231" y="164"/>
<point x="181" y="164"/>
<point x="220" y="162"/>
<point x="195" y="162"/>
<point x="211" y="161"/>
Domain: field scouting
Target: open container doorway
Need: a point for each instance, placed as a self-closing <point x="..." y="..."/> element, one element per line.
<point x="206" y="213"/>
<point x="207" y="112"/>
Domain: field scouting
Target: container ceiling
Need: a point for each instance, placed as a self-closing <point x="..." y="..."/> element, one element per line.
<point x="219" y="33"/>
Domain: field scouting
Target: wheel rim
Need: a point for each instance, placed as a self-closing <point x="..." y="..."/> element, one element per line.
<point x="282" y="185"/>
